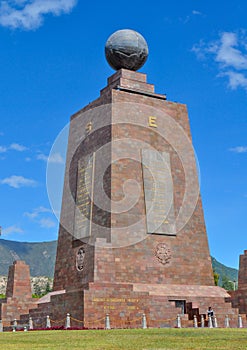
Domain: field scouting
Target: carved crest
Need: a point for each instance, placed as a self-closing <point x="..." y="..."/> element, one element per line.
<point x="163" y="253"/>
<point x="80" y="257"/>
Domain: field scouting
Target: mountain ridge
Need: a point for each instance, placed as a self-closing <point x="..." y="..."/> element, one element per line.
<point x="40" y="256"/>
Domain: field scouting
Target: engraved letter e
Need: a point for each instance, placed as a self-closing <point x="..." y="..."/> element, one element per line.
<point x="152" y="122"/>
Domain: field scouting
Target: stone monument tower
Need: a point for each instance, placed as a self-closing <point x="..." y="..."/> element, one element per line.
<point x="132" y="236"/>
<point x="18" y="294"/>
<point x="239" y="296"/>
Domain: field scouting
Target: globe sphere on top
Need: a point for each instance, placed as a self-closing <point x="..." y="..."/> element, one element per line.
<point x="126" y="49"/>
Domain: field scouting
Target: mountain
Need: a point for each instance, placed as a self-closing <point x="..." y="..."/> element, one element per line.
<point x="39" y="256"/>
<point x="41" y="259"/>
<point x="224" y="271"/>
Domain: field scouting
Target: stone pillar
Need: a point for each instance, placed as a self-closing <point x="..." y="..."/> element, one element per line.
<point x="227" y="325"/>
<point x="30" y="323"/>
<point x="195" y="323"/>
<point x="19" y="284"/>
<point x="210" y="323"/>
<point x="215" y="323"/>
<point x="242" y="274"/>
<point x="18" y="293"/>
<point x="178" y="321"/>
<point x="67" y="325"/>
<point x="107" y="322"/>
<point x="240" y="322"/>
<point x="144" y="321"/>
<point x="48" y="322"/>
<point x="202" y="321"/>
<point x="1" y="326"/>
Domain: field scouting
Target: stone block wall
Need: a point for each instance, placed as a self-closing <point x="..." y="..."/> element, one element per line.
<point x="18" y="293"/>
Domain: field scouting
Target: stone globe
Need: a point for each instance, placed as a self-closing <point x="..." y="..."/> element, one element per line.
<point x="127" y="49"/>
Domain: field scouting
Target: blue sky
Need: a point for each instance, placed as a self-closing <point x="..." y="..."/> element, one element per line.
<point x="52" y="64"/>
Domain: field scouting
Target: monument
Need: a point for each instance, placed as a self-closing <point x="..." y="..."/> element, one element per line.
<point x="18" y="294"/>
<point x="239" y="296"/>
<point x="132" y="237"/>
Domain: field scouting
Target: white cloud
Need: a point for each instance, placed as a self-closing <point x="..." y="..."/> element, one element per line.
<point x="3" y="149"/>
<point x="230" y="54"/>
<point x="37" y="215"/>
<point x="235" y="79"/>
<point x="17" y="147"/>
<point x="37" y="211"/>
<point x="12" y="229"/>
<point x="47" y="223"/>
<point x="43" y="157"/>
<point x="54" y="158"/>
<point x="196" y="13"/>
<point x="18" y="181"/>
<point x="13" y="146"/>
<point x="29" y="14"/>
<point x="239" y="149"/>
<point x="189" y="17"/>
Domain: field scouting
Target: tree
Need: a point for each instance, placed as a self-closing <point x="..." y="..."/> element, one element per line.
<point x="37" y="289"/>
<point x="216" y="277"/>
<point x="47" y="288"/>
<point x="227" y="284"/>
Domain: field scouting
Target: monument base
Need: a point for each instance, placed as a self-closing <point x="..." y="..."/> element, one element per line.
<point x="126" y="303"/>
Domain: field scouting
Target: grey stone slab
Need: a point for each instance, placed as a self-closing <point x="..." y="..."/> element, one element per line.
<point x="158" y="192"/>
<point x="84" y="193"/>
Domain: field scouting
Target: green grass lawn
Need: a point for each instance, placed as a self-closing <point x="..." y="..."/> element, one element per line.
<point x="133" y="339"/>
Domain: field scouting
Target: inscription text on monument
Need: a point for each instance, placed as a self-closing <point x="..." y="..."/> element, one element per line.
<point x="84" y="194"/>
<point x="158" y="191"/>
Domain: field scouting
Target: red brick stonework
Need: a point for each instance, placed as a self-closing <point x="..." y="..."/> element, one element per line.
<point x="239" y="297"/>
<point x="116" y="263"/>
<point x="18" y="293"/>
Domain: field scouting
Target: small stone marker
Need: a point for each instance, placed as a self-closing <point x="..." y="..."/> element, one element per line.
<point x="210" y="323"/>
<point x="215" y="322"/>
<point x="178" y="321"/>
<point x="195" y="323"/>
<point x="202" y="321"/>
<point x="240" y="322"/>
<point x="30" y="323"/>
<point x="48" y="322"/>
<point x="1" y="326"/>
<point x="107" y="322"/>
<point x="144" y="321"/>
<point x="67" y="325"/>
<point x="227" y="325"/>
